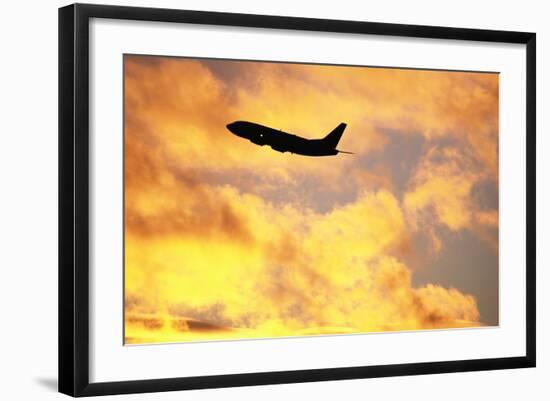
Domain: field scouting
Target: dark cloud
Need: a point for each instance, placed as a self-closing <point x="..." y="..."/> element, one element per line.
<point x="466" y="263"/>
<point x="231" y="74"/>
<point x="399" y="156"/>
<point x="210" y="315"/>
<point x="485" y="194"/>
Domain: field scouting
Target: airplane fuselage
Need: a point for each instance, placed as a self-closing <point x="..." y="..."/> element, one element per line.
<point x="281" y="141"/>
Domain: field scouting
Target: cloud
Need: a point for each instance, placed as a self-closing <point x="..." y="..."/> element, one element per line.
<point x="296" y="270"/>
<point x="228" y="240"/>
<point x="448" y="189"/>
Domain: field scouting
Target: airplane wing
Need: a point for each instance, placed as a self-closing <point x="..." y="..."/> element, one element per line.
<point x="279" y="148"/>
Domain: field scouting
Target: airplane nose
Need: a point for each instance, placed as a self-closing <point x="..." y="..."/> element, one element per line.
<point x="237" y="128"/>
<point x="232" y="127"/>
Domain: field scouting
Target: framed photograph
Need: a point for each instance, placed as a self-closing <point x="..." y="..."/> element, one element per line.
<point x="251" y="199"/>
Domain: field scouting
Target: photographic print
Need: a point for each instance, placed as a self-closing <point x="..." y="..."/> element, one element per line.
<point x="277" y="199"/>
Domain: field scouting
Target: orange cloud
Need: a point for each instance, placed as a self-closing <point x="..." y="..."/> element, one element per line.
<point x="440" y="193"/>
<point x="228" y="240"/>
<point x="287" y="277"/>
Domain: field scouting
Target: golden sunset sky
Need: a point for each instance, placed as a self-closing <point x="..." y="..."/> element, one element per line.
<point x="225" y="239"/>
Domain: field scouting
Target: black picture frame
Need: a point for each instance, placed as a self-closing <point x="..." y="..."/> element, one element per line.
<point x="74" y="193"/>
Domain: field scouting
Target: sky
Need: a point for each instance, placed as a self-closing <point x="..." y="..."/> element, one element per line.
<point x="228" y="240"/>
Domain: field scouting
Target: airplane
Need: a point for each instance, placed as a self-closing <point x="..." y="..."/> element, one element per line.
<point x="285" y="142"/>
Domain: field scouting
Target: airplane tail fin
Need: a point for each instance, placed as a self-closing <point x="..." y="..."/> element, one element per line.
<point x="333" y="138"/>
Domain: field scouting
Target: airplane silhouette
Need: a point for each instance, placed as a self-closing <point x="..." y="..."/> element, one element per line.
<point x="285" y="142"/>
